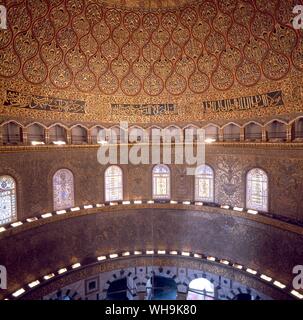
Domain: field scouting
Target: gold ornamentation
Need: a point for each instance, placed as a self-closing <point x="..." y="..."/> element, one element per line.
<point x="103" y="54"/>
<point x="19" y="100"/>
<point x="271" y="99"/>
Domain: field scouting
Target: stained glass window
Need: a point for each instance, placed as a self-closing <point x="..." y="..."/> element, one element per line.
<point x="113" y="184"/>
<point x="8" y="203"/>
<point x="161" y="182"/>
<point x="204" y="184"/>
<point x="257" y="190"/>
<point x="201" y="289"/>
<point x="63" y="189"/>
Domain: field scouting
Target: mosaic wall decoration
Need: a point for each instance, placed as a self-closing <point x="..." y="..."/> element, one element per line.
<point x="118" y="52"/>
<point x="89" y="46"/>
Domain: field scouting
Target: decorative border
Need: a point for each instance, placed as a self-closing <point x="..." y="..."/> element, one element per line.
<point x="78" y="271"/>
<point x="50" y="217"/>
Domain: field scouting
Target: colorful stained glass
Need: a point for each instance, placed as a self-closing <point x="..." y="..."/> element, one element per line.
<point x="257" y="190"/>
<point x="161" y="182"/>
<point x="8" y="202"/>
<point x="63" y="189"/>
<point x="113" y="184"/>
<point x="204" y="184"/>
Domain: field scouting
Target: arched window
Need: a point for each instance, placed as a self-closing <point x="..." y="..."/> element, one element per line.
<point x="253" y="132"/>
<point x="63" y="189"/>
<point x="35" y="133"/>
<point x="79" y="135"/>
<point x="201" y="289"/>
<point x="113" y="184"/>
<point x="98" y="135"/>
<point x="8" y="203"/>
<point x="257" y="190"/>
<point x="161" y="288"/>
<point x="231" y="132"/>
<point x="161" y="182"/>
<point x="211" y="132"/>
<point x="118" y="290"/>
<point x="57" y="134"/>
<point x="276" y="130"/>
<point x="12" y="133"/>
<point x="204" y="184"/>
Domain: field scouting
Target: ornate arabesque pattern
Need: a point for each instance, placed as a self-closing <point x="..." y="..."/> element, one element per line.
<point x="87" y="46"/>
<point x="148" y="4"/>
<point x="229" y="180"/>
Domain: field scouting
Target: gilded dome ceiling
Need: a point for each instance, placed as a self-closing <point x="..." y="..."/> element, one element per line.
<point x="202" y="49"/>
<point x="149" y="4"/>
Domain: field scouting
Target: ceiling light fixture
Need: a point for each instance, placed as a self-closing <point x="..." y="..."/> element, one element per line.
<point x="18" y="293"/>
<point x="63" y="270"/>
<point x="59" y="143"/>
<point x="101" y="258"/>
<point x="209" y="140"/>
<point x="34" y="284"/>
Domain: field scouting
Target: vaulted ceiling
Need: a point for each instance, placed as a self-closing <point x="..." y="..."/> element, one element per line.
<point x="89" y="47"/>
<point x="149" y="4"/>
<point x="196" y="50"/>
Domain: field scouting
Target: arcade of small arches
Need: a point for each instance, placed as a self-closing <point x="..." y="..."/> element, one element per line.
<point x="63" y="189"/>
<point x="13" y="132"/>
<point x="156" y="283"/>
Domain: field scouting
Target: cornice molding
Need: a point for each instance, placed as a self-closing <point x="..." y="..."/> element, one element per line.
<point x="238" y="145"/>
<point x="109" y="209"/>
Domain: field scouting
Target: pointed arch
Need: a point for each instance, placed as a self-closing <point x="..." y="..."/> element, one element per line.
<point x="12" y="132"/>
<point x="231" y="132"/>
<point x="57" y="133"/>
<point x="252" y="131"/>
<point x="79" y="134"/>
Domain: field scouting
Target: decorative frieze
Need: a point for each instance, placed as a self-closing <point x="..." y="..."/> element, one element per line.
<point x="120" y="110"/>
<point x="270" y="99"/>
<point x="16" y="99"/>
